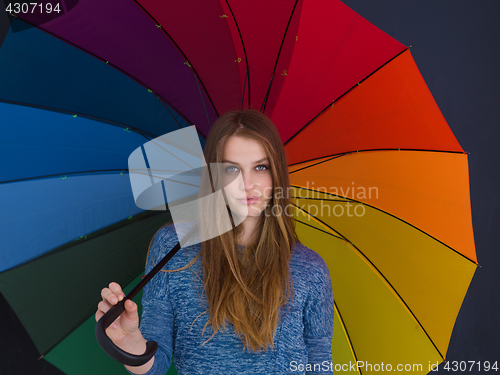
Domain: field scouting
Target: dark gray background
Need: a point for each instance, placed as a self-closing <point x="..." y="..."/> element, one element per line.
<point x="456" y="46"/>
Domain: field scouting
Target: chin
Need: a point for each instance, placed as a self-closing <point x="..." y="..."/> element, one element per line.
<point x="251" y="213"/>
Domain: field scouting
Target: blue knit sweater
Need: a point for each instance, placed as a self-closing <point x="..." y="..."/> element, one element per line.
<point x="171" y="303"/>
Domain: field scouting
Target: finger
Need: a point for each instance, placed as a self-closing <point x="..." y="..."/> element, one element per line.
<point x="117" y="290"/>
<point x="108" y="295"/>
<point x="103" y="306"/>
<point x="98" y="315"/>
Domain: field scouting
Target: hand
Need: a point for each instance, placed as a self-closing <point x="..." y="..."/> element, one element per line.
<point x="124" y="331"/>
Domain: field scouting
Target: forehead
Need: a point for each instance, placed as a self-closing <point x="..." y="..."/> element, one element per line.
<point x="243" y="149"/>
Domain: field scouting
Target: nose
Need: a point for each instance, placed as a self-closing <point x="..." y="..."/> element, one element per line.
<point x="248" y="181"/>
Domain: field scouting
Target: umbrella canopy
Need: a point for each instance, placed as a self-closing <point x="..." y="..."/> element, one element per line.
<point x="380" y="184"/>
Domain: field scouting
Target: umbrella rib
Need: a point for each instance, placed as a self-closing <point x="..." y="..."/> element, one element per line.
<point x="183" y="54"/>
<point x="384" y="212"/>
<point x="380" y="275"/>
<point x="244" y="87"/>
<point x="179" y="147"/>
<point x="95" y="172"/>
<point x="266" y="97"/>
<point x="312" y="165"/>
<point x="180" y="127"/>
<point x="347" y="334"/>
<point x="330" y="105"/>
<point x="245" y="53"/>
<point x="334" y="156"/>
<point x="201" y="96"/>
<point x="108" y="63"/>
<point x="197" y="154"/>
<point x="320" y="230"/>
<point x="144" y="133"/>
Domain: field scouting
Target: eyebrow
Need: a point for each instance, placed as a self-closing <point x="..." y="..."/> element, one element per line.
<point x="255" y="162"/>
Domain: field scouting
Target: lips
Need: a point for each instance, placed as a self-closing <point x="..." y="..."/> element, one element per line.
<point x="249" y="199"/>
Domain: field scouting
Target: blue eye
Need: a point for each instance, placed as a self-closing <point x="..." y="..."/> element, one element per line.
<point x="228" y="169"/>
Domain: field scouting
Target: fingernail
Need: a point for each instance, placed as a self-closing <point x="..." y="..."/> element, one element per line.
<point x="113" y="299"/>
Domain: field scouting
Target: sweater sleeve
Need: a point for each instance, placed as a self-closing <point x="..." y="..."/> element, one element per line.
<point x="318" y="319"/>
<point x="157" y="322"/>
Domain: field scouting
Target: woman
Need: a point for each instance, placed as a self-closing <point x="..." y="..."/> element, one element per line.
<point x="251" y="300"/>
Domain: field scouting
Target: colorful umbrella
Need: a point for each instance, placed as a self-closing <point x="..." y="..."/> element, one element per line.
<point x="380" y="184"/>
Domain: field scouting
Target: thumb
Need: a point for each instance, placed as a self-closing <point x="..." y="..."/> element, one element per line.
<point x="130" y="318"/>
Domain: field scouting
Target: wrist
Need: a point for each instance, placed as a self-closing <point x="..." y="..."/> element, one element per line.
<point x="137" y="345"/>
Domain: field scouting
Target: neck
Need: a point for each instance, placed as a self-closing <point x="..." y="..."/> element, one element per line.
<point x="249" y="225"/>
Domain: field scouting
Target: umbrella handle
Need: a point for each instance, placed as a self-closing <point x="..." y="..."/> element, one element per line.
<point x="111" y="349"/>
<point x="114" y="312"/>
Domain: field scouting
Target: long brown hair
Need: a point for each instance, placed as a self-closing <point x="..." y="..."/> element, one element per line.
<point x="248" y="288"/>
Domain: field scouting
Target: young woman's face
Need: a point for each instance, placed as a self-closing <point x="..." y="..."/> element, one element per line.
<point x="247" y="156"/>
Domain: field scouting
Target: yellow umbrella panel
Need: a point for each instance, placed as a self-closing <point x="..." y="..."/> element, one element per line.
<point x="397" y="287"/>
